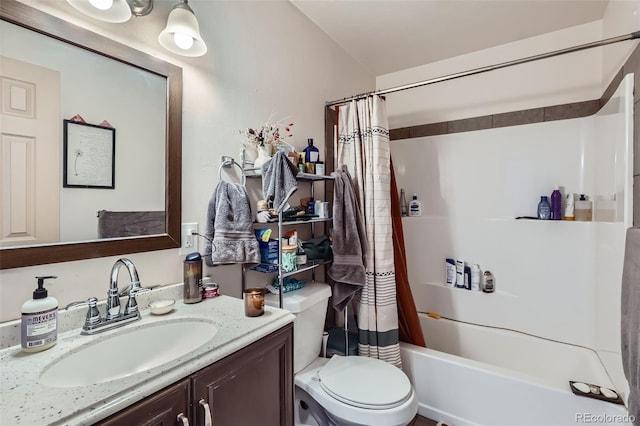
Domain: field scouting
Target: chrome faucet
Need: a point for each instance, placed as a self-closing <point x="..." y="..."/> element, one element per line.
<point x="94" y="323"/>
<point x="113" y="296"/>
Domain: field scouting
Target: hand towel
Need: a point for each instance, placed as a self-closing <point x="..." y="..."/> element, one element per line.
<point x="278" y="180"/>
<point x="630" y="320"/>
<point x="349" y="241"/>
<point x="229" y="235"/>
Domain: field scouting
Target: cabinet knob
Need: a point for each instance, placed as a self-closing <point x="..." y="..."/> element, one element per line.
<point x="183" y="419"/>
<point x="207" y="412"/>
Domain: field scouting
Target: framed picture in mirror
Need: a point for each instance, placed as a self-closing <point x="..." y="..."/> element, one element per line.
<point x="89" y="155"/>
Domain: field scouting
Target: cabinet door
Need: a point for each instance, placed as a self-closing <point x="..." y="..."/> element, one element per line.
<point x="252" y="387"/>
<point x="160" y="409"/>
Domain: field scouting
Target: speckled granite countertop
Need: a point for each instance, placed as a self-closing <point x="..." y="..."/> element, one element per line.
<point x="25" y="401"/>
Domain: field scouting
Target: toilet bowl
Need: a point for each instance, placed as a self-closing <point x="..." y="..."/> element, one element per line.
<point x="340" y="391"/>
<point x="355" y="391"/>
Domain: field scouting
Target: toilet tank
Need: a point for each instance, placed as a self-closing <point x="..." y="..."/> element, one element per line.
<point x="309" y="305"/>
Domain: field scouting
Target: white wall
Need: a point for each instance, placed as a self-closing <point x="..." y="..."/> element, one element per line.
<point x="264" y="57"/>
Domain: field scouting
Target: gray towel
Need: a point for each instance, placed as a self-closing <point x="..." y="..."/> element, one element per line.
<point x="349" y="241"/>
<point x="127" y="224"/>
<point x="278" y="180"/>
<point x="630" y="320"/>
<point x="229" y="236"/>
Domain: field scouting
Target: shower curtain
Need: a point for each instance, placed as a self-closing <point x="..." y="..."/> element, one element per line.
<point x="363" y="146"/>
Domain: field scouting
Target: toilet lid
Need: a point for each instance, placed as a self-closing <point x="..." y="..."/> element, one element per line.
<point x="365" y="382"/>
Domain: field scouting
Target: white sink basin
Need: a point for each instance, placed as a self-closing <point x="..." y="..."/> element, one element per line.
<point x="127" y="352"/>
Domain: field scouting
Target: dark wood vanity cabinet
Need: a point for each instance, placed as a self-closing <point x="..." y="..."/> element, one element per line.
<point x="253" y="386"/>
<point x="160" y="409"/>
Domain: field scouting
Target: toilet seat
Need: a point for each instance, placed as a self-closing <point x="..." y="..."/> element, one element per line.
<point x="365" y="382"/>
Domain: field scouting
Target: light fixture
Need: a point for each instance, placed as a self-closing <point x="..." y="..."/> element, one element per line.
<point x="114" y="11"/>
<point x="180" y="36"/>
<point x="182" y="33"/>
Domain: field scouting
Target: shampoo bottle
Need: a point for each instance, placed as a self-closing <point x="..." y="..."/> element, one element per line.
<point x="569" y="207"/>
<point x="488" y="282"/>
<point x="556" y="204"/>
<point x="415" y="208"/>
<point x="583" y="209"/>
<point x="450" y="266"/>
<point x="39" y="328"/>
<point x="475" y="277"/>
<point x="544" y="208"/>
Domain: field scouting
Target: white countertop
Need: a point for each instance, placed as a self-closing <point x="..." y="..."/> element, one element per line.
<point x="24" y="401"/>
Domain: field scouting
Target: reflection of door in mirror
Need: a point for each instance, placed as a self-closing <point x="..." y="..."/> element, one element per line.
<point x="30" y="154"/>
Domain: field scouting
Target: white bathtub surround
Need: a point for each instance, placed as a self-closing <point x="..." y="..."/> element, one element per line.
<point x="27" y="402"/>
<point x="554" y="279"/>
<point x="363" y="147"/>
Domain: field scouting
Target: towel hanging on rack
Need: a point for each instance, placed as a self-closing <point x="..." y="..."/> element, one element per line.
<point x="229" y="236"/>
<point x="279" y="180"/>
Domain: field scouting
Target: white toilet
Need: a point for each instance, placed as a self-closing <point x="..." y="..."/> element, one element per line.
<point x="340" y="391"/>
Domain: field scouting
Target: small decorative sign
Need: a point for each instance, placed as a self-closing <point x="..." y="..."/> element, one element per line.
<point x="89" y="155"/>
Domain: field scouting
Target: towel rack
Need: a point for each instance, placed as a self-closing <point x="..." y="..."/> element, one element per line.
<point x="228" y="162"/>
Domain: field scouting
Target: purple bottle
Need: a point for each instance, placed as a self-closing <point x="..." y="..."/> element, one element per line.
<point x="556" y="204"/>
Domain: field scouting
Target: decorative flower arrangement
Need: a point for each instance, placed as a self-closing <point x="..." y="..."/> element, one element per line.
<point x="268" y="133"/>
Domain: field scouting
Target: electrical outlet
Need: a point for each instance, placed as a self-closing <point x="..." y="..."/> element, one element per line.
<point x="189" y="240"/>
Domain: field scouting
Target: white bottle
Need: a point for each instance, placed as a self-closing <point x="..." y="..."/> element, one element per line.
<point x="415" y="208"/>
<point x="39" y="329"/>
<point x="475" y="277"/>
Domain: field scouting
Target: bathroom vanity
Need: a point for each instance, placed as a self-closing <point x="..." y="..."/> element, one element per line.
<point x="241" y="367"/>
<point x="250" y="387"/>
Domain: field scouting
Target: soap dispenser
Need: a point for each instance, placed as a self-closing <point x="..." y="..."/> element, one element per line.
<point x="39" y="328"/>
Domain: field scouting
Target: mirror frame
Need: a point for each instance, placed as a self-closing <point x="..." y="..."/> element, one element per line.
<point x="35" y="20"/>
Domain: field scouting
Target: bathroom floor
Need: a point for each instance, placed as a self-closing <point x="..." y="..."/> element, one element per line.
<point x="422" y="421"/>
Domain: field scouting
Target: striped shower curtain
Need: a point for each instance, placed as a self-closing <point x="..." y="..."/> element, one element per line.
<point x="363" y="146"/>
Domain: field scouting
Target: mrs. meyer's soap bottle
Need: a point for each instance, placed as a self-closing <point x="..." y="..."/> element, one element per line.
<point x="39" y="328"/>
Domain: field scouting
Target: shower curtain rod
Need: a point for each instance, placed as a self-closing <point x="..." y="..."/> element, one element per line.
<point x="480" y="70"/>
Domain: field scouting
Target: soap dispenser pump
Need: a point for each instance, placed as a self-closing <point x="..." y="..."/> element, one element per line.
<point x="39" y="328"/>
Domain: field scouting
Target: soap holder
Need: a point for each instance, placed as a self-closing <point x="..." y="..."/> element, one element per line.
<point x="161" y="307"/>
<point x="594" y="391"/>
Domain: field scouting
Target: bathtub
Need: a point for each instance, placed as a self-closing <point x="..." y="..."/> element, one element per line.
<point x="474" y="375"/>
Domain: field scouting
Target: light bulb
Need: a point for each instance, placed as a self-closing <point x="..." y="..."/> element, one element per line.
<point x="183" y="41"/>
<point x="101" y="4"/>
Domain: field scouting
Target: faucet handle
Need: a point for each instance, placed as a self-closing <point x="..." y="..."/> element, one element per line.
<point x="132" y="304"/>
<point x="93" y="314"/>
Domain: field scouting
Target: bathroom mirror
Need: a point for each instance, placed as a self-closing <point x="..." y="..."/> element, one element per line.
<point x="168" y="139"/>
